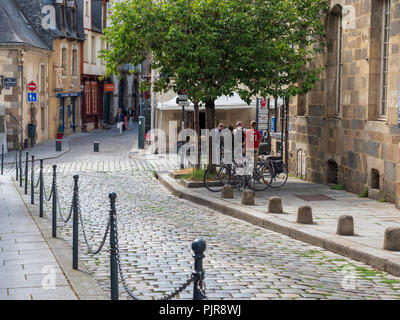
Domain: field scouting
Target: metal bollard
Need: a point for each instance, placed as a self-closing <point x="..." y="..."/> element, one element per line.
<point x="198" y="247"/>
<point x="113" y="250"/>
<point x="2" y="159"/>
<point x="26" y="172"/>
<point x="75" y="226"/>
<point x="20" y="168"/>
<point x="142" y="132"/>
<point x="96" y="147"/>
<point x="33" y="180"/>
<point x="41" y="189"/>
<point x="16" y="165"/>
<point x="54" y="207"/>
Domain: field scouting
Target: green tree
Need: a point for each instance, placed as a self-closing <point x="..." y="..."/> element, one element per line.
<point x="216" y="47"/>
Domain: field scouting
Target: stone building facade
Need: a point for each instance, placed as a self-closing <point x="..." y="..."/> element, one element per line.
<point x="24" y="56"/>
<point x="347" y="130"/>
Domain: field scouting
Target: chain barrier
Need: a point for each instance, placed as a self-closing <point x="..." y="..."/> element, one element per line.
<point x="45" y="193"/>
<point x="59" y="207"/>
<point x="91" y="251"/>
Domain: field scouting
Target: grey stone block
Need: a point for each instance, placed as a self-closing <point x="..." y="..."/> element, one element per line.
<point x="392" y="239"/>
<point x="275" y="205"/>
<point x="227" y="192"/>
<point x="345" y="226"/>
<point x="248" y="197"/>
<point x="304" y="215"/>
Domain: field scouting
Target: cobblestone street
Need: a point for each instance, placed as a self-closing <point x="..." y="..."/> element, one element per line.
<point x="156" y="229"/>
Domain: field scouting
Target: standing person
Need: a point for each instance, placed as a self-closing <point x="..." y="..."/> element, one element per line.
<point x="120" y="120"/>
<point x="217" y="141"/>
<point x="130" y="118"/>
<point x="125" y="113"/>
<point x="253" y="139"/>
<point x="239" y="135"/>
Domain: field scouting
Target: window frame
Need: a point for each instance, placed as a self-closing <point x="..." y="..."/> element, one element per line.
<point x="384" y="60"/>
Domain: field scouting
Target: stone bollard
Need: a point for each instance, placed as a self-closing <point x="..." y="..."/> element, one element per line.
<point x="304" y="215"/>
<point x="275" y="205"/>
<point x="227" y="192"/>
<point x="345" y="226"/>
<point x="248" y="197"/>
<point x="392" y="239"/>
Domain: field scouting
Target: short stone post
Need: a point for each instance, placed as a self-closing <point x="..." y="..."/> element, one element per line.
<point x="304" y="215"/>
<point x="392" y="239"/>
<point x="345" y="226"/>
<point x="275" y="205"/>
<point x="227" y="192"/>
<point x="248" y="197"/>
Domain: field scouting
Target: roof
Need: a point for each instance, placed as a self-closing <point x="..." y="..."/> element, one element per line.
<point x="222" y="103"/>
<point x="15" y="29"/>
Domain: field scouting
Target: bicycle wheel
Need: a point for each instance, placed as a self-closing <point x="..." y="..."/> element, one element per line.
<point x="280" y="177"/>
<point x="261" y="177"/>
<point x="216" y="176"/>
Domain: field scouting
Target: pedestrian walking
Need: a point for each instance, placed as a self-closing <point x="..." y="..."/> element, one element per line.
<point x="239" y="138"/>
<point x="125" y="113"/>
<point x="120" y="120"/>
<point x="217" y="143"/>
<point x="131" y="114"/>
<point x="253" y="139"/>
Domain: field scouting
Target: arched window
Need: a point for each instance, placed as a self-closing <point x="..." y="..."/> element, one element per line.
<point x="334" y="65"/>
<point x="64" y="58"/>
<point x="74" y="62"/>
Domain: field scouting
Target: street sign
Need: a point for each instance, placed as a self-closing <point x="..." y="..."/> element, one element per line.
<point x="32" y="86"/>
<point x="263" y="102"/>
<point x="10" y="82"/>
<point x="182" y="97"/>
<point x="183" y="103"/>
<point x="32" y="97"/>
<point x="109" y="87"/>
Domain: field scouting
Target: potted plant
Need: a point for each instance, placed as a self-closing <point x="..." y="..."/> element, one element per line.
<point x="59" y="132"/>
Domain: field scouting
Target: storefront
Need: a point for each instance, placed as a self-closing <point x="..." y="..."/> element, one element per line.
<point x="68" y="111"/>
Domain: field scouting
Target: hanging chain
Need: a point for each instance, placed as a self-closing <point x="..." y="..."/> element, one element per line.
<point x="91" y="251"/>
<point x="45" y="195"/>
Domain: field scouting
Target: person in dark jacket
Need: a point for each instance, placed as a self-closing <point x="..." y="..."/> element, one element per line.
<point x="120" y="119"/>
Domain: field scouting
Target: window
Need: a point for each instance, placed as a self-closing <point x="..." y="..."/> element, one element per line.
<point x="94" y="50"/>
<point x="86" y="49"/>
<point x="73" y="20"/>
<point x="42" y="79"/>
<point x="63" y="16"/>
<point x="42" y="118"/>
<point x="74" y="63"/>
<point x="64" y="61"/>
<point x="339" y="63"/>
<point x="384" y="58"/>
<point x="94" y="96"/>
<point x="87" y="8"/>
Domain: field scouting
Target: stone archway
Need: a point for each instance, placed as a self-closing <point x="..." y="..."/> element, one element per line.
<point x="332" y="172"/>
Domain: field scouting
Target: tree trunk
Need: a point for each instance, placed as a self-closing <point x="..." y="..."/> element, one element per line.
<point x="210" y="124"/>
<point x="197" y="130"/>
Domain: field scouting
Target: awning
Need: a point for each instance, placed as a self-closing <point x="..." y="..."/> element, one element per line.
<point x="222" y="103"/>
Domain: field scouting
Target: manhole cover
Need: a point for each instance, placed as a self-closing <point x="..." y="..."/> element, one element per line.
<point x="314" y="197"/>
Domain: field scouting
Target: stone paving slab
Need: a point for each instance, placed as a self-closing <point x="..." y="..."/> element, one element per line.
<point x="365" y="246"/>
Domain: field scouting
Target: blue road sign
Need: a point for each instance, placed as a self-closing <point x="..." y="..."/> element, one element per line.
<point x="32" y="97"/>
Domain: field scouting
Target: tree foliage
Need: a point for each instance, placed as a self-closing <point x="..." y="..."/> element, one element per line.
<point x="216" y="47"/>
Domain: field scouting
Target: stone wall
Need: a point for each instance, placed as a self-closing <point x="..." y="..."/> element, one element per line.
<point x="353" y="141"/>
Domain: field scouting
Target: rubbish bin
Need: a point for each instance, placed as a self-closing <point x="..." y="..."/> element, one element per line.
<point x="58" y="145"/>
<point x="31" y="131"/>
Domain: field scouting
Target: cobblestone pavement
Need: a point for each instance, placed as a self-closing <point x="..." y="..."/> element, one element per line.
<point x="156" y="229"/>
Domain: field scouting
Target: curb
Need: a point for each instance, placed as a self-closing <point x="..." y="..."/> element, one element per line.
<point x="380" y="259"/>
<point x="81" y="282"/>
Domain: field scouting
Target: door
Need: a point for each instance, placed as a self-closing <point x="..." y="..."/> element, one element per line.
<point x="107" y="108"/>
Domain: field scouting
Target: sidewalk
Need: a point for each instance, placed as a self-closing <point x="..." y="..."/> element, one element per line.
<point x="371" y="217"/>
<point x="33" y="266"/>
<point x="45" y="150"/>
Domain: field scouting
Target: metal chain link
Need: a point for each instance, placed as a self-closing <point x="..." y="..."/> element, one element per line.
<point x="37" y="183"/>
<point x="45" y="195"/>
<point x="201" y="285"/>
<point x="123" y="279"/>
<point x="91" y="251"/>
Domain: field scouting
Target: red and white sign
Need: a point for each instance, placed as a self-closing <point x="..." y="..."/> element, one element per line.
<point x="263" y="103"/>
<point x="32" y="86"/>
<point x="109" y="87"/>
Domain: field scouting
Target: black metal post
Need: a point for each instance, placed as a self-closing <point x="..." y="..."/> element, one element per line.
<point x="75" y="226"/>
<point x="16" y="165"/>
<point x="20" y="168"/>
<point x="198" y="247"/>
<point x="26" y="172"/>
<point x="33" y="180"/>
<point x="41" y="189"/>
<point x="2" y="159"/>
<point x="113" y="250"/>
<point x="54" y="207"/>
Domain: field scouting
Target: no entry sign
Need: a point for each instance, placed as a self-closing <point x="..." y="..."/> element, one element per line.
<point x="32" y="86"/>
